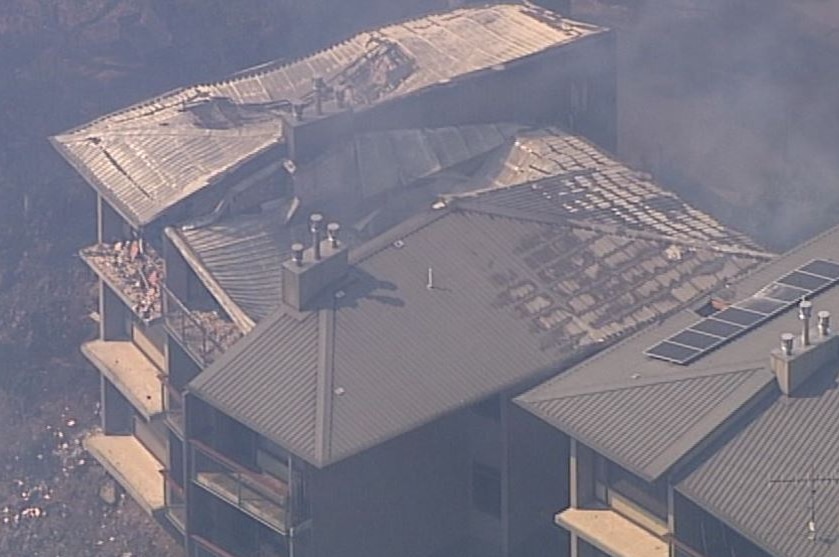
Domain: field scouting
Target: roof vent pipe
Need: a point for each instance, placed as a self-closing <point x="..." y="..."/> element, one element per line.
<point x="786" y="343"/>
<point x="805" y="310"/>
<point x="298" y="109"/>
<point x="824" y="323"/>
<point x="315" y="221"/>
<point x="297" y="254"/>
<point x="332" y="230"/>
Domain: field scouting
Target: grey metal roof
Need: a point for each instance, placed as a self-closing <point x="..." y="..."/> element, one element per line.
<point x="792" y="438"/>
<point x="513" y="297"/>
<point x="373" y="163"/>
<point x="148" y="157"/>
<point x="571" y="178"/>
<point x="275" y="379"/>
<point x="647" y="425"/>
<point x="241" y="258"/>
<point x="785" y="440"/>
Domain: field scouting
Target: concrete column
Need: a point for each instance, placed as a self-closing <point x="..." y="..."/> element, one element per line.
<point x="176" y="270"/>
<point x="116" y="411"/>
<point x="111" y="314"/>
<point x="110" y="223"/>
<point x="582" y="474"/>
<point x="575" y="545"/>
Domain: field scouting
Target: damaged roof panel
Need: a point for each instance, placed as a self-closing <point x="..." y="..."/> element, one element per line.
<point x="238" y="118"/>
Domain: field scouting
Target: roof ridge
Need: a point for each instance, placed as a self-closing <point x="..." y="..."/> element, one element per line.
<point x="535" y="215"/>
<point x="644" y="382"/>
<point x="325" y="383"/>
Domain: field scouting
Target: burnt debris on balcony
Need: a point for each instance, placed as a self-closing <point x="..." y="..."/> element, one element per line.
<point x="135" y="270"/>
<point x="205" y="334"/>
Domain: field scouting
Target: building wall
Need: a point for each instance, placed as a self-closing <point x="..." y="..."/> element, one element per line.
<point x="407" y="497"/>
<point x="537" y="486"/>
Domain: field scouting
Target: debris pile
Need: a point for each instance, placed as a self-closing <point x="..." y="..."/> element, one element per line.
<point x="222" y="332"/>
<point x="136" y="268"/>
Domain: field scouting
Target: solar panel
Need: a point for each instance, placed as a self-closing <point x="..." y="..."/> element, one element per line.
<point x="762" y="305"/>
<point x="822" y="268"/>
<point x="739" y="316"/>
<point x="783" y="293"/>
<point x="707" y="334"/>
<point x="695" y="339"/>
<point x="804" y="280"/>
<point x="673" y="352"/>
<point x="714" y="327"/>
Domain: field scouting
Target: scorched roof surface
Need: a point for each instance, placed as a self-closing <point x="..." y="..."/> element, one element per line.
<point x="512" y="297"/>
<point x="150" y="156"/>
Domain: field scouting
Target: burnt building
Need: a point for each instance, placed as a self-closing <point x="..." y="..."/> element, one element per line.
<point x="273" y="384"/>
<point x="711" y="434"/>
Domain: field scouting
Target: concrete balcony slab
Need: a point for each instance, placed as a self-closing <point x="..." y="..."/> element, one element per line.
<point x="612" y="533"/>
<point x="131" y="372"/>
<point x="132" y="465"/>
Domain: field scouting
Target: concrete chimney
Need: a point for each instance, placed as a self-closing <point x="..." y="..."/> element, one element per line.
<point x="805" y="311"/>
<point x="794" y="365"/>
<point x="312" y="271"/>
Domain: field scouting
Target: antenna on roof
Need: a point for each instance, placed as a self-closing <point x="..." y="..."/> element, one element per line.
<point x="812" y="482"/>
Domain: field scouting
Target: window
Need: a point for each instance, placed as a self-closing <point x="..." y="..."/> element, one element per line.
<point x="486" y="489"/>
<point x="651" y="497"/>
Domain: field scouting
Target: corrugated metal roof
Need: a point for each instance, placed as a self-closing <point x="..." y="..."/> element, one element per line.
<point x="373" y="163"/>
<point x="148" y="157"/>
<point x="792" y="438"/>
<point x="244" y="255"/>
<point x="273" y="382"/>
<point x="646" y="426"/>
<point x="512" y="298"/>
<point x="571" y="178"/>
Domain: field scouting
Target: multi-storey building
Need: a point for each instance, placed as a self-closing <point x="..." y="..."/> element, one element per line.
<point x="352" y="396"/>
<point x="705" y="436"/>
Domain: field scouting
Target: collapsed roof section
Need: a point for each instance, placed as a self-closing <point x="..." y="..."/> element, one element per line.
<point x="147" y="158"/>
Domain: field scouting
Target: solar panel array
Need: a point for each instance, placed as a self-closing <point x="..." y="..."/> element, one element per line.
<point x="712" y="332"/>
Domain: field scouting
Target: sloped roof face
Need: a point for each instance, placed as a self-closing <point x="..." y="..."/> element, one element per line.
<point x="243" y="257"/>
<point x="273" y="384"/>
<point x="646" y="426"/>
<point x="150" y="156"/>
<point x="510" y="298"/>
<point x="570" y="178"/>
<point x="794" y="438"/>
<point x="374" y="163"/>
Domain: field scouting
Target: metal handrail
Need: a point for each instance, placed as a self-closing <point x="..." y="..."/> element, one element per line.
<point x="238" y="469"/>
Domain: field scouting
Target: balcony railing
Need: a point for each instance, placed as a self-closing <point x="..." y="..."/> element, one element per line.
<point x="134" y="270"/>
<point x="173" y="404"/>
<point x="204" y="334"/>
<point x="261" y="496"/>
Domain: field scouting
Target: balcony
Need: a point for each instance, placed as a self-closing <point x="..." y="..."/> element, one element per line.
<point x="131" y="372"/>
<point x="132" y="465"/>
<point x="205" y="335"/>
<point x="134" y="270"/>
<point x="258" y="495"/>
<point x="612" y="533"/>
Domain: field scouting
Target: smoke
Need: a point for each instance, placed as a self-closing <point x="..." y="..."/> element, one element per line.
<point x="733" y="104"/>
